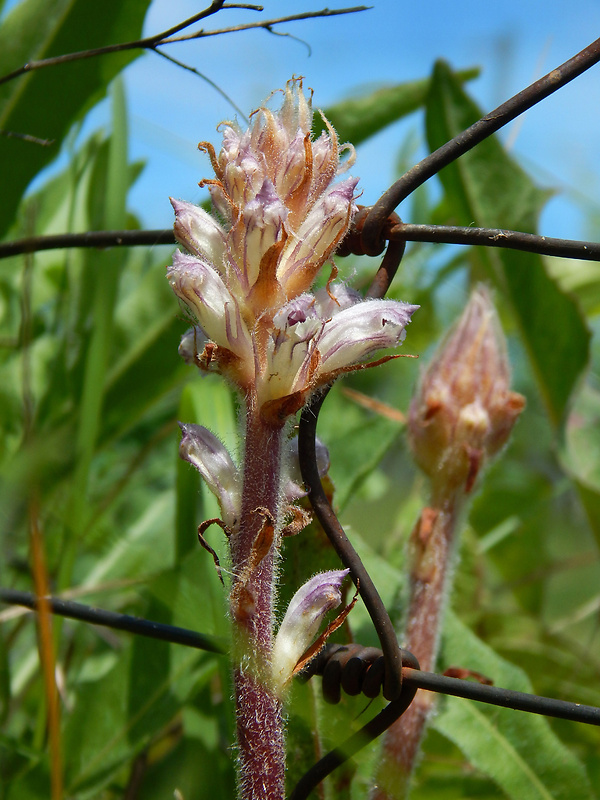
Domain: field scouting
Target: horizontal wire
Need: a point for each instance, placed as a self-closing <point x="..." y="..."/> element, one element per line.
<point x="417" y="679"/>
<point x="100" y="239"/>
<point x="496" y="237"/>
<point x="121" y="622"/>
<point x="497" y="696"/>
<point x="442" y="684"/>
<point x="440" y="234"/>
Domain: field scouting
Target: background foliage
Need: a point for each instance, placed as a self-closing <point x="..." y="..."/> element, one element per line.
<point x="91" y="387"/>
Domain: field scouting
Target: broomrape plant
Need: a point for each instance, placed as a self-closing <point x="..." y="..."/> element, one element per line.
<point x="246" y="277"/>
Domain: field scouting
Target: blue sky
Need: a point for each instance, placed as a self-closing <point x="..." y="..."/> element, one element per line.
<point x="514" y="42"/>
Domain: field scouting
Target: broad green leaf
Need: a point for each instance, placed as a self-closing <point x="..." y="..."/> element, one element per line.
<point x="196" y="769"/>
<point x="106" y="269"/>
<point x="519" y="751"/>
<point x="485" y="187"/>
<point x="580" y="278"/>
<point x="112" y="720"/>
<point x="45" y="103"/>
<point x="359" y="118"/>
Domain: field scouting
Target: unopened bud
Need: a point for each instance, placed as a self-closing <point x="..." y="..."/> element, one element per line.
<point x="463" y="411"/>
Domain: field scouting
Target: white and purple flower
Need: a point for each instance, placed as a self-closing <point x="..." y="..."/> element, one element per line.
<point x="302" y="620"/>
<point x="248" y="275"/>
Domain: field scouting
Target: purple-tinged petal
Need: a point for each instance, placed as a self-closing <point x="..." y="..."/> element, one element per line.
<point x="359" y="331"/>
<point x="202" y="289"/>
<point x="302" y="620"/>
<point x="297" y="310"/>
<point x="263" y="225"/>
<point x="199" y="233"/>
<point x="334" y="299"/>
<point x="192" y="344"/>
<point x="292" y="488"/>
<point x="205" y="451"/>
<point x="317" y="237"/>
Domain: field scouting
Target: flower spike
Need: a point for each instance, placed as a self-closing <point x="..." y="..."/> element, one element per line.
<point x="248" y="274"/>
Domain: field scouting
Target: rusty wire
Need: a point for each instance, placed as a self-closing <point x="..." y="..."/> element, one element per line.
<point x="413" y="677"/>
<point x="351" y="668"/>
<point x="395" y="231"/>
<point x="467" y="140"/>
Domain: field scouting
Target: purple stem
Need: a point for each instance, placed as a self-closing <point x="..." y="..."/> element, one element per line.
<point x="432" y="548"/>
<point x="260" y="734"/>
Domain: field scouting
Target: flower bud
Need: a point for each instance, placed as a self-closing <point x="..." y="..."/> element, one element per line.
<point x="305" y="613"/>
<point x="249" y="269"/>
<point x="463" y="411"/>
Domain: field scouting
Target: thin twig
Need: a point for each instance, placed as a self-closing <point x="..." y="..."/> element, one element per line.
<point x="166" y="37"/>
<point x="206" y="79"/>
<point x="266" y="24"/>
<point x="147" y="42"/>
<point x="466" y="140"/>
<point x="27" y="137"/>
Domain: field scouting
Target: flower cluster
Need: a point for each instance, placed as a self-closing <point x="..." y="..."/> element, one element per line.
<point x="247" y="272"/>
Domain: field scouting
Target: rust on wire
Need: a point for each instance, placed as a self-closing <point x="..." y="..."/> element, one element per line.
<point x="343" y="547"/>
<point x="375" y="222"/>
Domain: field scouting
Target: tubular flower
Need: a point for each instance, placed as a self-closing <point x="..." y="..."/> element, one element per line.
<point x="208" y="454"/>
<point x="280" y="216"/>
<point x="302" y="620"/>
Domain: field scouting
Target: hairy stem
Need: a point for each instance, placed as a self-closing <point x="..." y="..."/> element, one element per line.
<point x="260" y="735"/>
<point x="431" y="558"/>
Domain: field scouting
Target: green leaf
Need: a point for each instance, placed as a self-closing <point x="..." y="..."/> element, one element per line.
<point x="485" y="187"/>
<point x="580" y="455"/>
<point x="361" y="117"/>
<point x="117" y="715"/>
<point x="357" y="440"/>
<point x="519" y="751"/>
<point x="46" y="102"/>
<point x="106" y="270"/>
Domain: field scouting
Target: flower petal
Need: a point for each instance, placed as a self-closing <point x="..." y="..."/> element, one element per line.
<point x="302" y="620"/>
<point x="205" y="451"/>
<point x="359" y="331"/>
<point x="199" y="233"/>
<point x="318" y="236"/>
<point x="292" y="488"/>
<point x="202" y="289"/>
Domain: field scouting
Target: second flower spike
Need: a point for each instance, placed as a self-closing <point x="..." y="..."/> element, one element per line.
<point x="464" y="409"/>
